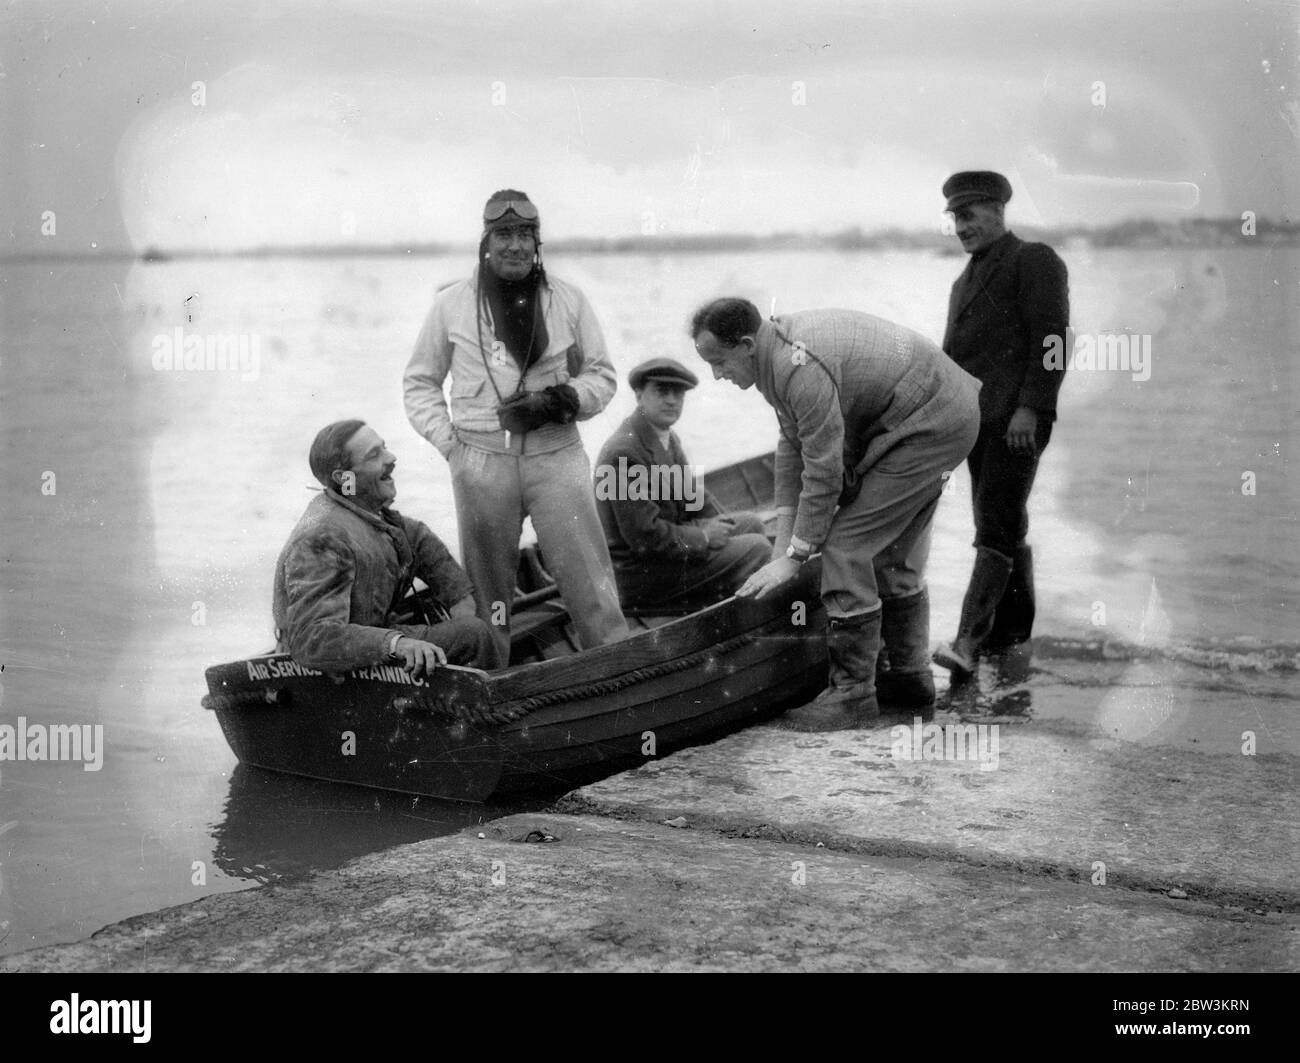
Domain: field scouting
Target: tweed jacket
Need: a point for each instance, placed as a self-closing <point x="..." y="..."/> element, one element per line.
<point x="848" y="387"/>
<point x="1004" y="305"/>
<point x="449" y="344"/>
<point x="646" y="528"/>
<point x="338" y="576"/>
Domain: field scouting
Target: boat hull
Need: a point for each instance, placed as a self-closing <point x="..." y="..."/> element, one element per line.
<point x="358" y="728"/>
<point x="466" y="735"/>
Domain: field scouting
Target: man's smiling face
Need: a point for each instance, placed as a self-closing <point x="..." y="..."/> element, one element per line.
<point x="371" y="475"/>
<point x="729" y="363"/>
<point x="978" y="224"/>
<point x="511" y="251"/>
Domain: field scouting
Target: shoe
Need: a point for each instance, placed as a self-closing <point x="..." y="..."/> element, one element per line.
<point x="988" y="582"/>
<point x="904" y="680"/>
<point x="849" y="700"/>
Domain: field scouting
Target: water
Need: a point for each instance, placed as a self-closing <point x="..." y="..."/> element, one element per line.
<point x="173" y="492"/>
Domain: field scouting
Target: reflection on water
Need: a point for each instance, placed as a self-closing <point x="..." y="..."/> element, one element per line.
<point x="281" y="826"/>
<point x="998" y="689"/>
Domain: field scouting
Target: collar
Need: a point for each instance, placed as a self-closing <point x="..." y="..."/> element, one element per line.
<point x="488" y="278"/>
<point x="388" y="520"/>
<point x="529" y="285"/>
<point x="1002" y="243"/>
<point x="649" y="435"/>
<point x="766" y="342"/>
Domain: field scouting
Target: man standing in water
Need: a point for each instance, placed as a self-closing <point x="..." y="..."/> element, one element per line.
<point x="872" y="415"/>
<point x="1011" y="298"/>
<point x="527" y="359"/>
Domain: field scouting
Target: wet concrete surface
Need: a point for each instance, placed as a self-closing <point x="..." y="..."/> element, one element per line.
<point x="1124" y="816"/>
<point x="612" y="896"/>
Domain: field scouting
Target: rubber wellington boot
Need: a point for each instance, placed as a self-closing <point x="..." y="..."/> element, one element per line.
<point x="903" y="676"/>
<point x="849" y="700"/>
<point x="988" y="581"/>
<point x="1013" y="621"/>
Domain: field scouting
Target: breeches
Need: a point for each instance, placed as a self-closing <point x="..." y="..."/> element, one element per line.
<point x="879" y="543"/>
<point x="465" y="640"/>
<point x="708" y="579"/>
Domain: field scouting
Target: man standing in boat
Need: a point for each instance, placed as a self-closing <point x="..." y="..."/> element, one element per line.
<point x="872" y="416"/>
<point x="342" y="578"/>
<point x="527" y="359"/>
<point x="1005" y="308"/>
<point x="670" y="543"/>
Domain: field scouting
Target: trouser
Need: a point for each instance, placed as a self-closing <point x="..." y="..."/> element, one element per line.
<point x="708" y="579"/>
<point x="465" y="640"/>
<point x="879" y="543"/>
<point x="494" y="492"/>
<point x="1000" y="484"/>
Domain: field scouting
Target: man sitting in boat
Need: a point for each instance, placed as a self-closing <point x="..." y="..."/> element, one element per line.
<point x="341" y="579"/>
<point x="669" y="542"/>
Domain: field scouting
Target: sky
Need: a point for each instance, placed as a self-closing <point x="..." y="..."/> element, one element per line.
<point x="245" y="124"/>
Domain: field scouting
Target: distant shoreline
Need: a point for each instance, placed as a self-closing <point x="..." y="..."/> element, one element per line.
<point x="1147" y="233"/>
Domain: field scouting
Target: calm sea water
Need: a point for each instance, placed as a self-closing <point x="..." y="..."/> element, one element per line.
<point x="143" y="511"/>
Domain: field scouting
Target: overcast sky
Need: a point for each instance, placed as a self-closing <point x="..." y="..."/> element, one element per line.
<point x="392" y="121"/>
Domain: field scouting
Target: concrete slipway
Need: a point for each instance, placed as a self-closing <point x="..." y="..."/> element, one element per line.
<point x="1139" y="815"/>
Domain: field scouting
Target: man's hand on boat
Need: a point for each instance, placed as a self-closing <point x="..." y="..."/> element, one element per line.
<point x="774" y="574"/>
<point x="419" y="658"/>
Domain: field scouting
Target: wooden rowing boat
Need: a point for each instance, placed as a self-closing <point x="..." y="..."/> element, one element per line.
<point x="557" y="717"/>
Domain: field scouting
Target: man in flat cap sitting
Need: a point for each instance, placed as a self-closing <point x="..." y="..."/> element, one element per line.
<point x="1011" y="297"/>
<point x="669" y="542"/>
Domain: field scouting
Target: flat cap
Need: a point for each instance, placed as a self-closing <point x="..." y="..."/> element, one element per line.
<point x="665" y="370"/>
<point x="970" y="186"/>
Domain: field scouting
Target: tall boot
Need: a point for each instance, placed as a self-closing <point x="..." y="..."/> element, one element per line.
<point x="1013" y="622"/>
<point x="849" y="700"/>
<point x="903" y="676"/>
<point x="988" y="581"/>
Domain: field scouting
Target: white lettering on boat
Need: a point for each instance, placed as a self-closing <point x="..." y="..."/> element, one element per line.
<point x="287" y="668"/>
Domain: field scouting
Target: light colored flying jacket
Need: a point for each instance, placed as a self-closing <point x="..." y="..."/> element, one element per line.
<point x="449" y="344"/>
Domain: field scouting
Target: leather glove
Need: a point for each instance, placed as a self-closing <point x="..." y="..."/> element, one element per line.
<point x="532" y="409"/>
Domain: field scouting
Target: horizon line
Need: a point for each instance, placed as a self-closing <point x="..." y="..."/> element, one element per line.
<point x="675" y="241"/>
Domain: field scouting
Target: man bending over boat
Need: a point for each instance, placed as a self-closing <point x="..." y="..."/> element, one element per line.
<point x="341" y="579"/>
<point x="872" y="415"/>
<point x="669" y="542"/>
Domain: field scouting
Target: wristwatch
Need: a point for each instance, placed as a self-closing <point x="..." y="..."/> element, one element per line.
<point x="799" y="550"/>
<point x="392" y="644"/>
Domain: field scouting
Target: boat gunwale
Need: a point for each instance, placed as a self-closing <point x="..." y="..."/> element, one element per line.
<point x="681" y="637"/>
<point x="521" y="681"/>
